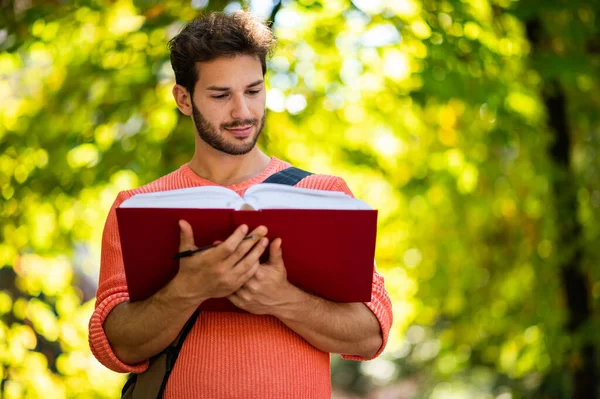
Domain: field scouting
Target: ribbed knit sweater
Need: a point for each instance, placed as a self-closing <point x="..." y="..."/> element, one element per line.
<point x="227" y="355"/>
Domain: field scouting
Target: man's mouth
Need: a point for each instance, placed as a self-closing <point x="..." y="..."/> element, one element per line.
<point x="240" y="131"/>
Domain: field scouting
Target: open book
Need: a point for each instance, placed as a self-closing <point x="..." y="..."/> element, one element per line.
<point x="328" y="238"/>
<point x="259" y="196"/>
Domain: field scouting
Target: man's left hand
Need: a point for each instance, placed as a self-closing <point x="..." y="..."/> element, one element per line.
<point x="269" y="289"/>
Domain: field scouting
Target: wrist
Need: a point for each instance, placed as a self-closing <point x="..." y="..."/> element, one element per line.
<point x="296" y="304"/>
<point x="176" y="291"/>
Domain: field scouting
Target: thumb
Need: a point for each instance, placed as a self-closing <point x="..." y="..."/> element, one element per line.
<point x="186" y="236"/>
<point x="276" y="253"/>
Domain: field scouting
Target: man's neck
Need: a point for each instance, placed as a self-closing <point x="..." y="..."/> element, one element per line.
<point x="226" y="170"/>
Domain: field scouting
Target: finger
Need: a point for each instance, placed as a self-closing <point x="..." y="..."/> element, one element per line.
<point x="233" y="298"/>
<point x="245" y="277"/>
<point x="186" y="236"/>
<point x="251" y="258"/>
<point x="247" y="245"/>
<point x="243" y="295"/>
<point x="276" y="253"/>
<point x="228" y="247"/>
<point x="252" y="286"/>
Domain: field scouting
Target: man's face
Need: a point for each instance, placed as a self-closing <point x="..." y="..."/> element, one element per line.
<point x="228" y="106"/>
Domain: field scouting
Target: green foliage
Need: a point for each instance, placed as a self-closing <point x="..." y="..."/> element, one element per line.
<point x="433" y="112"/>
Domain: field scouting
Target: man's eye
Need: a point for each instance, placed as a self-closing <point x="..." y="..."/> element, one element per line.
<point x="220" y="96"/>
<point x="253" y="91"/>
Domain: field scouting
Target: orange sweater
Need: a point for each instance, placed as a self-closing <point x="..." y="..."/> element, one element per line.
<point x="227" y="355"/>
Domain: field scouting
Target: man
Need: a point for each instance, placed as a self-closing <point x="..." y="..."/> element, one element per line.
<point x="281" y="347"/>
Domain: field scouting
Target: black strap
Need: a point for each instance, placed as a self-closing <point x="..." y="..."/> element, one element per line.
<point x="152" y="383"/>
<point x="174" y="349"/>
<point x="290" y="176"/>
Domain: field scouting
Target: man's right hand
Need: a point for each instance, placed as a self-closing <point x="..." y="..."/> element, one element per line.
<point x="219" y="271"/>
<point x="138" y="330"/>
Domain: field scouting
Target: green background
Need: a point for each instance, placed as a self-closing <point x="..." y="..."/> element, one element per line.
<point x="473" y="126"/>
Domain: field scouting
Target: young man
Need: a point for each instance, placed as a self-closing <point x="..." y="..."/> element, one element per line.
<point x="281" y="347"/>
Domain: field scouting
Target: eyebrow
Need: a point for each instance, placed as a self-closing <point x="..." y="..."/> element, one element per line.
<point x="216" y="88"/>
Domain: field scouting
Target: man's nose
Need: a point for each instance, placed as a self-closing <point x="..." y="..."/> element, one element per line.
<point x="240" y="109"/>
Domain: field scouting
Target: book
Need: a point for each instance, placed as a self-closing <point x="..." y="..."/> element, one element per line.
<point x="328" y="237"/>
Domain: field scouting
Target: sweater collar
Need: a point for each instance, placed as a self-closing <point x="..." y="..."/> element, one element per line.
<point x="274" y="166"/>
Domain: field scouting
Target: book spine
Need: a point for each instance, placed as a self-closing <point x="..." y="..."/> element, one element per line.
<point x="251" y="218"/>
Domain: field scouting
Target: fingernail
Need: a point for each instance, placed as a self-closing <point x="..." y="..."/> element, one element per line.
<point x="244" y="229"/>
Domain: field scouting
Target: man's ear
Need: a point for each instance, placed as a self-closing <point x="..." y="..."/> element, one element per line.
<point x="182" y="99"/>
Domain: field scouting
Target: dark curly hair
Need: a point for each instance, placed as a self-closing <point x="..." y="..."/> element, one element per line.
<point x="215" y="35"/>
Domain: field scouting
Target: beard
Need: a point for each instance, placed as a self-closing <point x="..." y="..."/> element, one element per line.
<point x="210" y="135"/>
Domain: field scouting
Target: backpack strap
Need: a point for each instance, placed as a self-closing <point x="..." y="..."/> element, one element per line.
<point x="290" y="176"/>
<point x="152" y="382"/>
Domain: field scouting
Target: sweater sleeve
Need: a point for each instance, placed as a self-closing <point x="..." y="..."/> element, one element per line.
<point x="112" y="290"/>
<point x="380" y="304"/>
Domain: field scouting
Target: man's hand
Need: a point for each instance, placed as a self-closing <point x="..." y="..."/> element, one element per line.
<point x="219" y="271"/>
<point x="139" y="330"/>
<point x="268" y="289"/>
<point x="349" y="328"/>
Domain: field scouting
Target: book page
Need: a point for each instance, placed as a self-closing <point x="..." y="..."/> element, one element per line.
<point x="280" y="196"/>
<point x="260" y="196"/>
<point x="213" y="197"/>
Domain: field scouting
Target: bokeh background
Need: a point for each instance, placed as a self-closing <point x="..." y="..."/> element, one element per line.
<point x="472" y="125"/>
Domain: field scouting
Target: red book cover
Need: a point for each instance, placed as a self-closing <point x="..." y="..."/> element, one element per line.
<point x="329" y="253"/>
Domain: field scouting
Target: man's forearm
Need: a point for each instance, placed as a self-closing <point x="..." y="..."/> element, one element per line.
<point x="346" y="328"/>
<point x="136" y="331"/>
